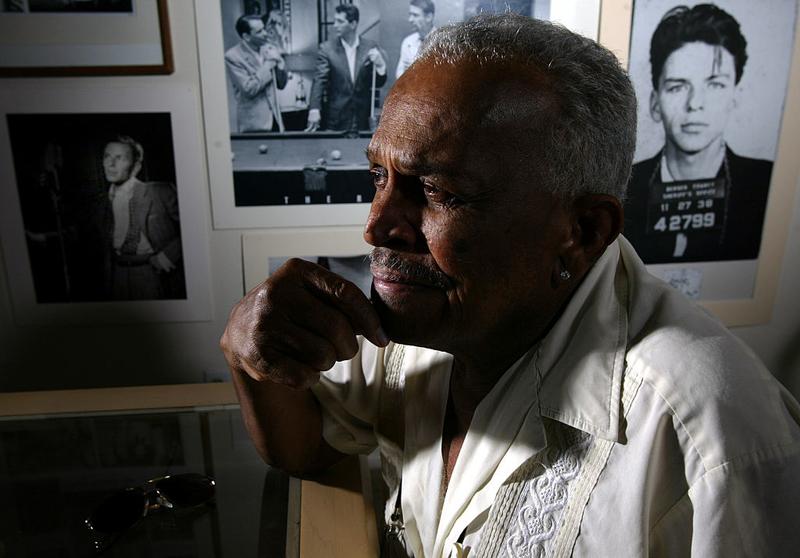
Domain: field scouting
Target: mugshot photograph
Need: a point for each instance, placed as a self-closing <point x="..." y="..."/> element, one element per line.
<point x="697" y="198"/>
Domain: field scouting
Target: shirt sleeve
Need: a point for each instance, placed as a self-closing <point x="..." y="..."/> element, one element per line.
<point x="349" y="394"/>
<point x="745" y="507"/>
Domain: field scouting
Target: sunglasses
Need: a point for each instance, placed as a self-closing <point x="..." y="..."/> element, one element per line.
<point x="125" y="509"/>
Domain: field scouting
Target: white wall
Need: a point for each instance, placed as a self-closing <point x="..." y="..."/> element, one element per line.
<point x="48" y="357"/>
<point x="778" y="342"/>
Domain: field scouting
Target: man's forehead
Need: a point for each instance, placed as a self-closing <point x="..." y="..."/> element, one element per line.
<point x="699" y="57"/>
<point x="403" y="155"/>
<point x="118" y="147"/>
<point x="468" y="94"/>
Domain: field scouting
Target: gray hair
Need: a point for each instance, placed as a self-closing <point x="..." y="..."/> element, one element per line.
<point x="593" y="135"/>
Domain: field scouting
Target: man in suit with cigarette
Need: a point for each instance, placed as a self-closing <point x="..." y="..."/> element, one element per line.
<point x="256" y="70"/>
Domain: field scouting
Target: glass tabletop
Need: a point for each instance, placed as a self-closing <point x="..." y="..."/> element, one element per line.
<point x="54" y="471"/>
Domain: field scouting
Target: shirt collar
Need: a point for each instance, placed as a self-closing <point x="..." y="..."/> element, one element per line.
<point x="666" y="175"/>
<point x="257" y="53"/>
<point x="125" y="188"/>
<point x="581" y="361"/>
<point x="347" y="46"/>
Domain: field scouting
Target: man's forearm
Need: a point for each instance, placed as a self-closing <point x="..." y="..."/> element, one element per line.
<point x="285" y="425"/>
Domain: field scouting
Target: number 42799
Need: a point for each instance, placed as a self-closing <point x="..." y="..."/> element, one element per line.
<point x="685" y="222"/>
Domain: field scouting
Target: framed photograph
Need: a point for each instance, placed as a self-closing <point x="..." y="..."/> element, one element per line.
<point x="342" y="250"/>
<point x="716" y="165"/>
<point x="103" y="217"/>
<point x="286" y="121"/>
<point x="84" y="38"/>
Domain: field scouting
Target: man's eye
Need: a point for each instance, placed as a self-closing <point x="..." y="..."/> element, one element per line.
<point x="437" y="195"/>
<point x="378" y="176"/>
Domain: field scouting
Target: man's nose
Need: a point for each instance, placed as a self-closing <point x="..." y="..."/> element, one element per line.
<point x="696" y="99"/>
<point x="394" y="217"/>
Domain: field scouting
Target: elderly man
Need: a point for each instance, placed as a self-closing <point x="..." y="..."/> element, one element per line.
<point x="145" y="257"/>
<point x="696" y="199"/>
<point x="256" y="70"/>
<point x="532" y="390"/>
<point x="420" y="16"/>
<point x="347" y="69"/>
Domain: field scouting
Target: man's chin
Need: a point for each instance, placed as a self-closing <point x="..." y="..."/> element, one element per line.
<point x="406" y="324"/>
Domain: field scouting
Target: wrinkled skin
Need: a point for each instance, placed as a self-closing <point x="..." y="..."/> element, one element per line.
<point x="300" y="321"/>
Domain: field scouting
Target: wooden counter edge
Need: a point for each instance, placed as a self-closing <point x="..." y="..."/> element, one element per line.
<point x="116" y="399"/>
<point x="337" y="516"/>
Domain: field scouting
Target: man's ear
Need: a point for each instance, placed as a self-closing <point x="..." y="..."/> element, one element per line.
<point x="597" y="220"/>
<point x="655" y="106"/>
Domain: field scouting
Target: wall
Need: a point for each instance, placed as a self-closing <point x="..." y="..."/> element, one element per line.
<point x="48" y="357"/>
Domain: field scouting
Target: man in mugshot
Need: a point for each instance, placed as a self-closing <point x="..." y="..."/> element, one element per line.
<point x="696" y="199"/>
<point x="256" y="70"/>
<point x="348" y="67"/>
<point x="142" y="224"/>
<point x="420" y="16"/>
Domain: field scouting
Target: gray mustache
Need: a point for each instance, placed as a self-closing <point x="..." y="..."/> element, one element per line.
<point x="381" y="257"/>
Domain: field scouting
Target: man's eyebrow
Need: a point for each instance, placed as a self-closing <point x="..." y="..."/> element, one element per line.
<point x="719" y="75"/>
<point x="416" y="167"/>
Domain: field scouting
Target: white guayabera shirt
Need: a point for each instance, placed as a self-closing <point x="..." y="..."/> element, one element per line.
<point x="638" y="426"/>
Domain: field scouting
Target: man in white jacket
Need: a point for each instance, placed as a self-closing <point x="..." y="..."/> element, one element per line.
<point x="420" y="16"/>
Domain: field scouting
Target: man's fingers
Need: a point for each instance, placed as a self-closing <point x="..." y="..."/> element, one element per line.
<point x="348" y="299"/>
<point x="301" y="321"/>
<point x="278" y="357"/>
<point x="281" y="369"/>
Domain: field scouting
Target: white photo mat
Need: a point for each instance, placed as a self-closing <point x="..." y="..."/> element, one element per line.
<point x="580" y="15"/>
<point x="738" y="292"/>
<point x="259" y="247"/>
<point x="87" y="43"/>
<point x="180" y="103"/>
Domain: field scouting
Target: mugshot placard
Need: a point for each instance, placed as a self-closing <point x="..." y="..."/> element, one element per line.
<point x="687" y="206"/>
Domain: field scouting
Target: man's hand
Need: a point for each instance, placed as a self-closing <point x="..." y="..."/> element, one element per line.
<point x="271" y="53"/>
<point x="376" y="57"/>
<point x="264" y="72"/>
<point x="162" y="263"/>
<point x="314" y="118"/>
<point x="297" y="323"/>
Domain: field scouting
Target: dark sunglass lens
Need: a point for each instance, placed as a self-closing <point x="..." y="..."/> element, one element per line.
<point x="119" y="512"/>
<point x="185" y="491"/>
